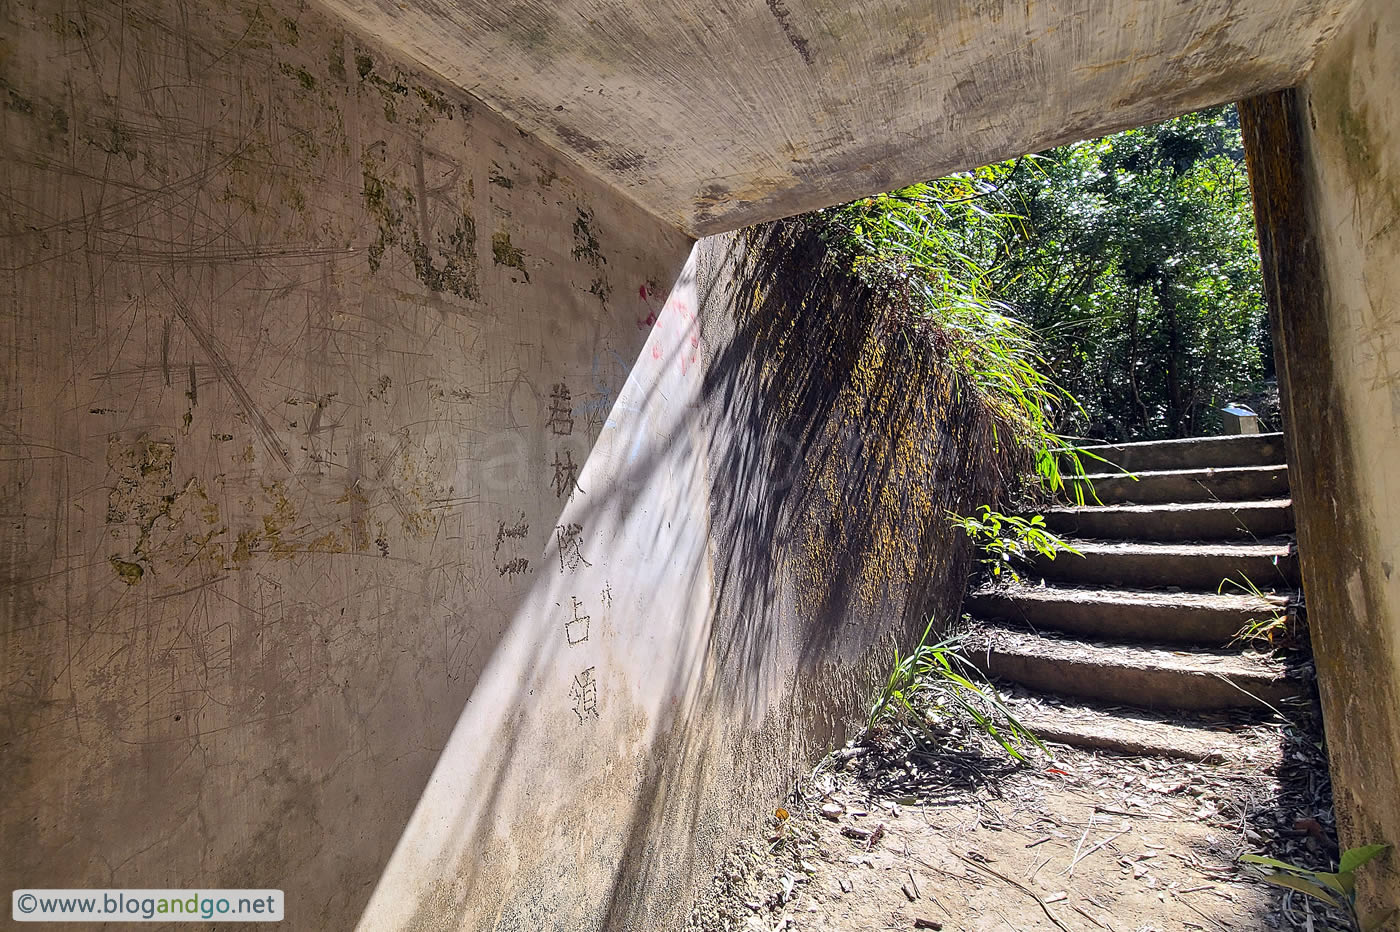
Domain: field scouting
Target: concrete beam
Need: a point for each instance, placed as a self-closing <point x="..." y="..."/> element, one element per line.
<point x="713" y="117"/>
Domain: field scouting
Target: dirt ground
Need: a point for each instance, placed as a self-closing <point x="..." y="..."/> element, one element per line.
<point x="891" y="835"/>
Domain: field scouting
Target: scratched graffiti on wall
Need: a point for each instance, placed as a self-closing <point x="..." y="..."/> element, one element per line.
<point x="302" y="347"/>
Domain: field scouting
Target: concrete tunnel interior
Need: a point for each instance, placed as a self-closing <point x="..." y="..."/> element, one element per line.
<point x="311" y="576"/>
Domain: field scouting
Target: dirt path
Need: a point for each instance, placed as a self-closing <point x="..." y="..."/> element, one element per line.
<point x="898" y="838"/>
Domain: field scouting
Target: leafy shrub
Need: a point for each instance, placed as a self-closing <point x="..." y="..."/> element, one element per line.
<point x="1335" y="888"/>
<point x="1004" y="540"/>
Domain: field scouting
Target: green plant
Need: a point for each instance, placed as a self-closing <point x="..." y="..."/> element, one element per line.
<point x="939" y="245"/>
<point x="1004" y="539"/>
<point x="1077" y="482"/>
<point x="940" y="672"/>
<point x="1137" y="263"/>
<point x="1127" y="266"/>
<point x="1273" y="628"/>
<point x="1337" y="889"/>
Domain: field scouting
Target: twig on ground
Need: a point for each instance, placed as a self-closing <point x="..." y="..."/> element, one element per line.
<point x="1206" y="916"/>
<point x="1083" y="837"/>
<point x="1120" y="812"/>
<point x="1089" y="917"/>
<point x="1018" y="885"/>
<point x="1106" y="841"/>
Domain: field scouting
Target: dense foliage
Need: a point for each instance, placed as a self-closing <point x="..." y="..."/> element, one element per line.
<point x="927" y="242"/>
<point x="1126" y="267"/>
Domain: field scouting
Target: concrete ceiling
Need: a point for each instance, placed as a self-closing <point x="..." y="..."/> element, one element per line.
<point x="715" y="115"/>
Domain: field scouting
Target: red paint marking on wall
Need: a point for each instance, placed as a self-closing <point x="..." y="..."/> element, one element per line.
<point x="646" y="292"/>
<point x="681" y="308"/>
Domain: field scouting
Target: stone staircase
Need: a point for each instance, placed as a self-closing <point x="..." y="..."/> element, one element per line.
<point x="1131" y="647"/>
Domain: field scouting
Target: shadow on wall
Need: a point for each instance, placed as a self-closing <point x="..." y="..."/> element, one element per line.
<point x="841" y="440"/>
<point x="519" y="826"/>
<point x="810" y="458"/>
<point x="837" y="440"/>
<point x="277" y="375"/>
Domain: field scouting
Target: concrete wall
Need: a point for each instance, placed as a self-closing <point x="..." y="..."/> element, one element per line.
<point x="1326" y="167"/>
<point x="766" y="538"/>
<point x="395" y="518"/>
<point x="302" y="351"/>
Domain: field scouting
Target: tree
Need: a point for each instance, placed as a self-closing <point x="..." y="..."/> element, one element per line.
<point x="1137" y="264"/>
<point x="1125" y="269"/>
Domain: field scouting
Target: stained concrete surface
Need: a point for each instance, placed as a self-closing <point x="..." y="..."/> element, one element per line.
<point x="383" y="522"/>
<point x="305" y="356"/>
<point x="1158" y="487"/>
<point x="1211" y="618"/>
<point x="1193" y="452"/>
<point x="1325" y="163"/>
<point x="1168" y="521"/>
<point x="1134" y="674"/>
<point x="715" y="116"/>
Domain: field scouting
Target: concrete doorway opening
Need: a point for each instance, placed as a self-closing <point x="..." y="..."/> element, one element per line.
<point x="1138" y="648"/>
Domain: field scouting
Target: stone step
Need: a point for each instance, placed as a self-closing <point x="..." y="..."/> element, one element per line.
<point x="1176" y="521"/>
<point x="1215" y="738"/>
<point x="1203" y="618"/>
<point x="1268" y="565"/>
<point x="1190" y="453"/>
<point x="1230" y="484"/>
<point x="1150" y="677"/>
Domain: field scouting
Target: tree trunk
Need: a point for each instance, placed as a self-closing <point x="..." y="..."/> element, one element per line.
<point x="1166" y="302"/>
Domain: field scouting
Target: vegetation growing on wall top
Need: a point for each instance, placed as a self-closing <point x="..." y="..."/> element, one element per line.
<point x="926" y="248"/>
<point x="1121" y="271"/>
